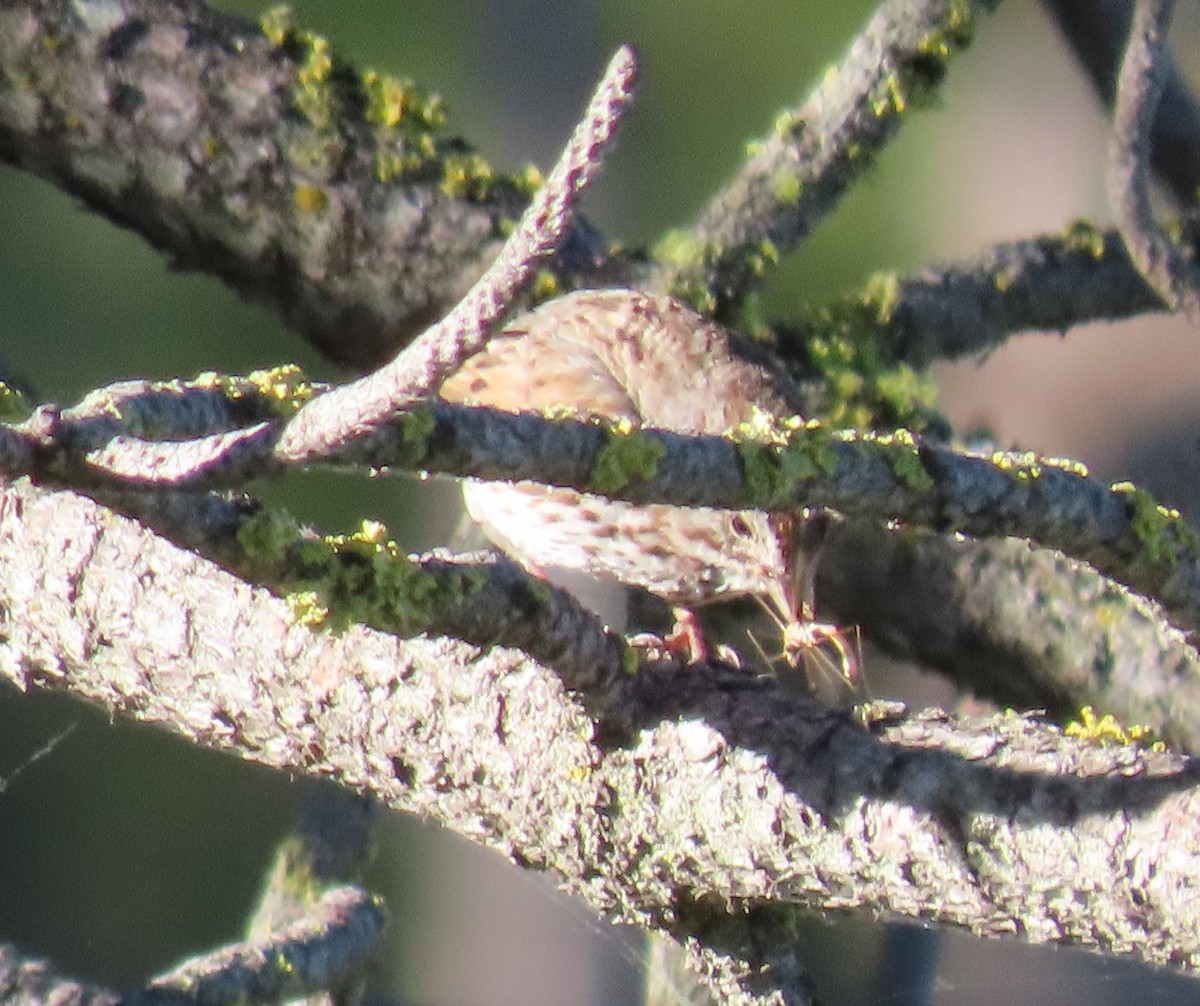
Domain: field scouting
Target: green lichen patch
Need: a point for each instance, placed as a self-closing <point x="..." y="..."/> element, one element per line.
<point x="1106" y="731"/>
<point x="686" y="259"/>
<point x="311" y="93"/>
<point x="416" y="426"/>
<point x="1023" y="466"/>
<point x="923" y="71"/>
<point x="786" y="187"/>
<point x="860" y="388"/>
<point x="627" y="455"/>
<point x="406" y="122"/>
<point x="467" y="176"/>
<point x="336" y="581"/>
<point x="780" y="455"/>
<point x="277" y="23"/>
<point x="900" y="449"/>
<point x="392" y="102"/>
<point x="14" y="406"/>
<point x="1162" y="532"/>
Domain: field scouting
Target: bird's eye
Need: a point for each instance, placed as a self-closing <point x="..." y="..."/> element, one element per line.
<point x="741" y="526"/>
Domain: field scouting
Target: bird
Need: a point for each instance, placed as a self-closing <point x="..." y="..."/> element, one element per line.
<point x="650" y="361"/>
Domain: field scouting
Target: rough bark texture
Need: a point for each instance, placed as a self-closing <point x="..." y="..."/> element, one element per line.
<point x="725" y="791"/>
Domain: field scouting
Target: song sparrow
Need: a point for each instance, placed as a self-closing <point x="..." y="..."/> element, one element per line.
<point x="621" y="354"/>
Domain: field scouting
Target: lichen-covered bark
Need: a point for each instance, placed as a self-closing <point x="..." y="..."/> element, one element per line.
<point x="191" y="128"/>
<point x="720" y="789"/>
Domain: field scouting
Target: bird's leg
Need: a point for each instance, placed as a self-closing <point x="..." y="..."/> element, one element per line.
<point x="803" y="634"/>
<point x="686" y="636"/>
<point x="801" y="638"/>
<point x="684" y="643"/>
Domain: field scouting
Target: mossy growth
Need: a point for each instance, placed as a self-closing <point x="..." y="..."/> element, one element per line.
<point x="686" y="260"/>
<point x="841" y="346"/>
<point x="335" y="581"/>
<point x="1162" y="531"/>
<point x="900" y="449"/>
<point x="311" y="93"/>
<point x="14" y="405"/>
<point x="919" y="79"/>
<point x="780" y="455"/>
<point x="1106" y="731"/>
<point x="627" y="455"/>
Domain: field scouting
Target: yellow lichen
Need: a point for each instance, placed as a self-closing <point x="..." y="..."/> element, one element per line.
<point x="310" y="198"/>
<point x="277" y="23"/>
<point x="1106" y="731"/>
<point x="285" y="387"/>
<point x="1084" y="236"/>
<point x="467" y="176"/>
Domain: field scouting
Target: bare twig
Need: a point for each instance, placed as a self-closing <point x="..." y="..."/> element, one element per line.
<point x="326" y="950"/>
<point x="1097" y="31"/>
<point x="333" y="420"/>
<point x="1143" y="75"/>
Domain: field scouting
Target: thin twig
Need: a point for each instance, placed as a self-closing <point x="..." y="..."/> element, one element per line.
<point x="354" y="410"/>
<point x="1097" y="31"/>
<point x="327" y="949"/>
<point x="1143" y="75"/>
<point x="798" y="174"/>
<point x="1118" y="530"/>
<point x="969" y="307"/>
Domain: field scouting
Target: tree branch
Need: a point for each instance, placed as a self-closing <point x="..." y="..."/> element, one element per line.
<point x="1143" y="75"/>
<point x="966" y="308"/>
<point x="261" y="161"/>
<point x="1097" y="30"/>
<point x="724" y="789"/>
<point x="1025" y="628"/>
<point x="794" y="177"/>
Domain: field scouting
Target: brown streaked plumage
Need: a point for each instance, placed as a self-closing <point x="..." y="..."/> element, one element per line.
<point x="622" y="354"/>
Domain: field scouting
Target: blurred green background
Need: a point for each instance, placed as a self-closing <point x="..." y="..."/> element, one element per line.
<point x="125" y="849"/>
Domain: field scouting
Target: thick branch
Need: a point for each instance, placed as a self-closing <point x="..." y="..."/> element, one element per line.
<point x="1026" y="628"/>
<point x="252" y="159"/>
<point x="726" y="789"/>
<point x="1118" y="530"/>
